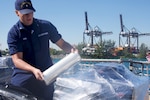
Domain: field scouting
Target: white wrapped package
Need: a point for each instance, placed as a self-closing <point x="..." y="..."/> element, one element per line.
<point x="52" y="72"/>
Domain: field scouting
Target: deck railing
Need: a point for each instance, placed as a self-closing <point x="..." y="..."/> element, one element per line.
<point x="138" y="67"/>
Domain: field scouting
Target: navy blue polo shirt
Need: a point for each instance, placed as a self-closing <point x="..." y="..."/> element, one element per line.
<point x="33" y="41"/>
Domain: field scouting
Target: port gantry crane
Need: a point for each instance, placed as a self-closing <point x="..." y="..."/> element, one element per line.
<point x="92" y="33"/>
<point x="132" y="37"/>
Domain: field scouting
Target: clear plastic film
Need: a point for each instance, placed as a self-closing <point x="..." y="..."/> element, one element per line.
<point x="102" y="81"/>
<point x="6" y="69"/>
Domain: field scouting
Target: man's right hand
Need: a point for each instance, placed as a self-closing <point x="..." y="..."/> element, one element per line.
<point x="38" y="74"/>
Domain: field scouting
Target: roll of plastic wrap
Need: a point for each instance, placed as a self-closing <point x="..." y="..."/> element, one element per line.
<point x="52" y="72"/>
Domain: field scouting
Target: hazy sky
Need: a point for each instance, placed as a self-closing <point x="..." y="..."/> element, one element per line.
<point x="68" y="17"/>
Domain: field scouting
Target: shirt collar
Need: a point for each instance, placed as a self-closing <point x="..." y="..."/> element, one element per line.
<point x="21" y="26"/>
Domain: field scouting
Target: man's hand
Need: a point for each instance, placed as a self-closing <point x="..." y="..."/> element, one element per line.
<point x="73" y="50"/>
<point x="38" y="74"/>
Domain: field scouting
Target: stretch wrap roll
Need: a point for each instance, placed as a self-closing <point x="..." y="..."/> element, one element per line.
<point x="52" y="72"/>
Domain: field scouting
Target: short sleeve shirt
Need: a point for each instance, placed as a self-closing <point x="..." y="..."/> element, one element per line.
<point x="33" y="42"/>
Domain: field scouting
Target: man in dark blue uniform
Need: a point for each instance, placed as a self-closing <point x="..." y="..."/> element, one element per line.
<point x="28" y="42"/>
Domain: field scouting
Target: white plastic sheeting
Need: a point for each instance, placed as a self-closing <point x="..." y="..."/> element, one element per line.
<point x="102" y="81"/>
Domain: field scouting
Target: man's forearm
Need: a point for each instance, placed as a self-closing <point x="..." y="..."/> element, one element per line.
<point x="67" y="47"/>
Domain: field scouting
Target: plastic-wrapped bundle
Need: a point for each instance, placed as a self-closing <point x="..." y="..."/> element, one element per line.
<point x="5" y="69"/>
<point x="102" y="81"/>
<point x="6" y="62"/>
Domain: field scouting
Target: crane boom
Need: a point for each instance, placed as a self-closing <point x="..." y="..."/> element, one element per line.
<point x="86" y="21"/>
<point x="121" y="22"/>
